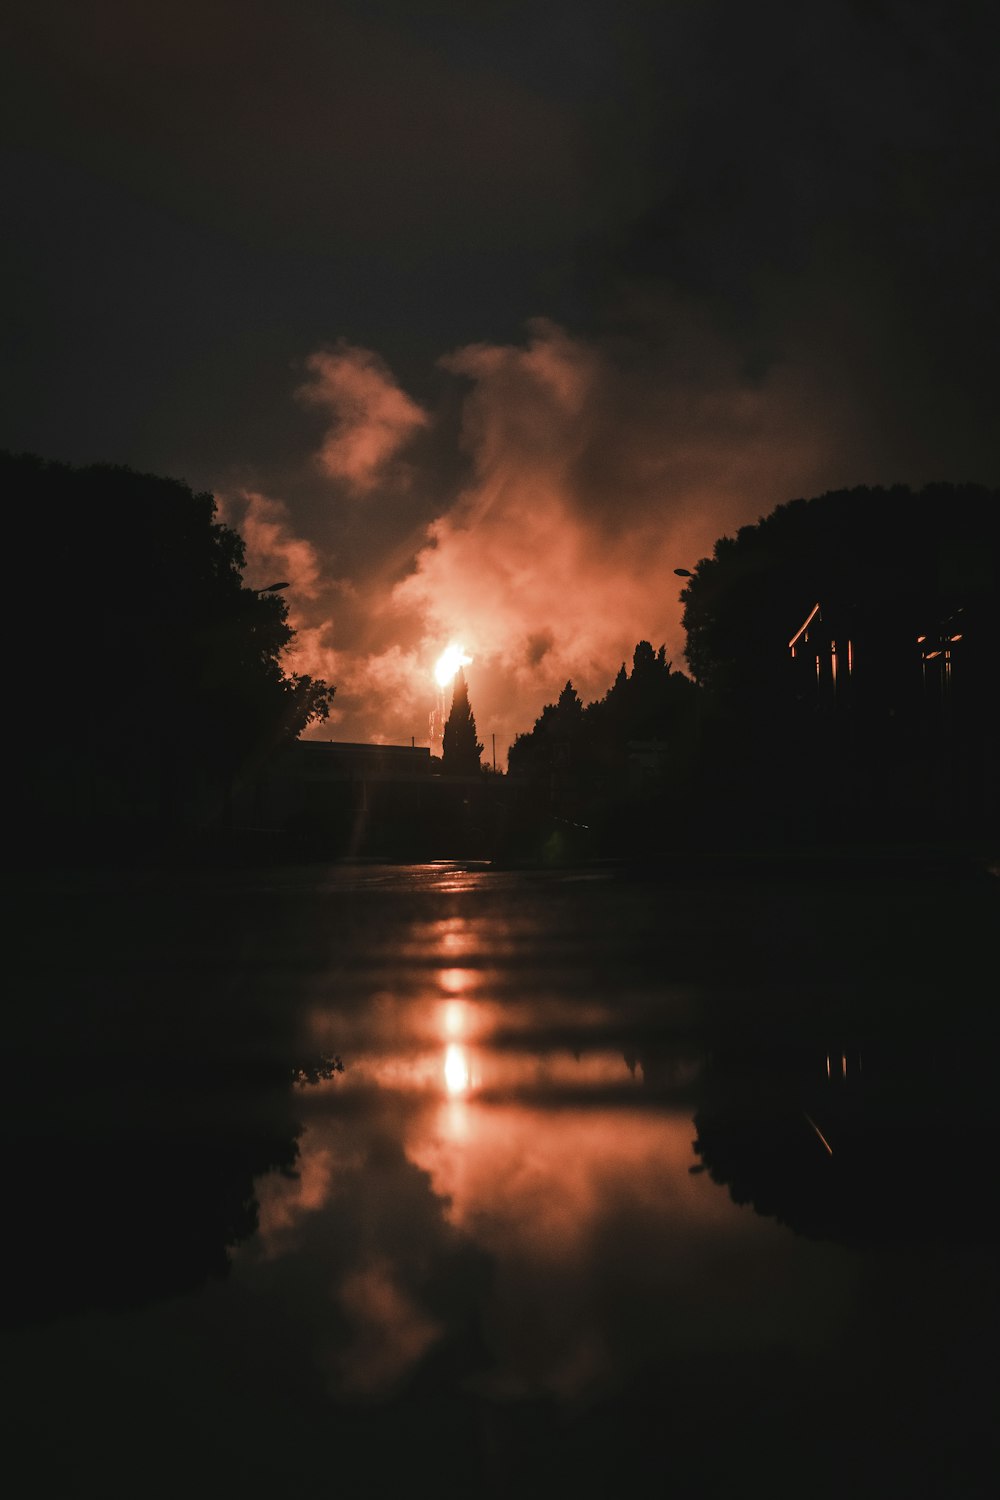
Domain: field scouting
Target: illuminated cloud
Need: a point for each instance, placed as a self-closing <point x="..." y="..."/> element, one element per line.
<point x="390" y="693"/>
<point x="591" y="483"/>
<point x="372" y="417"/>
<point x="590" y="469"/>
<point x="785" y="292"/>
<point x="272" y="544"/>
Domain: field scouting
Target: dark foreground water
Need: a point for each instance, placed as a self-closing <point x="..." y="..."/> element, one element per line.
<point x="681" y="1186"/>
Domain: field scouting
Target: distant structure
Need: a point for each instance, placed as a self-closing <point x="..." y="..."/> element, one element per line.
<point x="347" y="798"/>
<point x="356" y="762"/>
<point x="900" y="708"/>
<point x="339" y="791"/>
<point x="903" y="665"/>
<point x="815" y="644"/>
<point x="913" y="659"/>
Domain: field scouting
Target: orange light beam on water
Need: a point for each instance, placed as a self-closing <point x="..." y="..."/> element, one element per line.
<point x="455" y="981"/>
<point x="454" y="1018"/>
<point x="456" y="1069"/>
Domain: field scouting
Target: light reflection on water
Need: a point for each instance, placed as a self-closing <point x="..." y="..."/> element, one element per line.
<point x="502" y="1106"/>
<point x="565" y="1224"/>
<point x="457" y="1072"/>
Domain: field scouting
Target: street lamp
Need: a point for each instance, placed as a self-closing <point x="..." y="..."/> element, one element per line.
<point x="683" y="572"/>
<point x="272" y="588"/>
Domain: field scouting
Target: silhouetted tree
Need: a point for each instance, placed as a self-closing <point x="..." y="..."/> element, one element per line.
<point x="175" y="1089"/>
<point x="890" y="562"/>
<point x="618" y="766"/>
<point x="156" y="676"/>
<point x="555" y="740"/>
<point x="460" y="750"/>
<point x="867" y="717"/>
<point x="649" y="703"/>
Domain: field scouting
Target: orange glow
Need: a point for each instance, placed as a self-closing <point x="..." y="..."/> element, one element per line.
<point x="454" y="1018"/>
<point x="454" y="981"/>
<point x="454" y="1121"/>
<point x="452" y="937"/>
<point x="533" y="1183"/>
<point x="516" y="559"/>
<point x="448" y="663"/>
<point x="456" y="1069"/>
<point x="371" y="417"/>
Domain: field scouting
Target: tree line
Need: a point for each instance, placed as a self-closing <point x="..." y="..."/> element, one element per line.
<point x="586" y="772"/>
<point x="841" y="652"/>
<point x="843" y="657"/>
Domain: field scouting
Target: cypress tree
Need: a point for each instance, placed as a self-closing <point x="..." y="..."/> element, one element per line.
<point x="460" y="750"/>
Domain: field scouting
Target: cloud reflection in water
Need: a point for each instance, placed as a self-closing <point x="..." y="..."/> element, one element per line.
<point x="466" y="1129"/>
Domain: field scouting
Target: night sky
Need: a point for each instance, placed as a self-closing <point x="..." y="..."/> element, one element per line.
<point x="477" y="328"/>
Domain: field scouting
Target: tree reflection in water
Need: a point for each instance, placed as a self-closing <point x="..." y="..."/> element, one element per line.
<point x="152" y="1088"/>
<point x="888" y="1142"/>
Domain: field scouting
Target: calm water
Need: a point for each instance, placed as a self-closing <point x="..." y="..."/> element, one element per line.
<point x="682" y="1185"/>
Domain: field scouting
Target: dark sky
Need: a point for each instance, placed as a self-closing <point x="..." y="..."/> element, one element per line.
<point x="478" y="327"/>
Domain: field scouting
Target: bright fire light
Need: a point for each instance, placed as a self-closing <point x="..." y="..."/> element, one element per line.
<point x="448" y="663"/>
<point x="456" y="1069"/>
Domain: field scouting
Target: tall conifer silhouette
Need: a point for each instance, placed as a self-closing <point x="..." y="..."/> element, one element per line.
<point x="460" y="750"/>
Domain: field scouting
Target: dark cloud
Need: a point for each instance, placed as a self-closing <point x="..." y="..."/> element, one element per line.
<point x="292" y="126"/>
<point x="570" y="290"/>
<point x="817" y="186"/>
